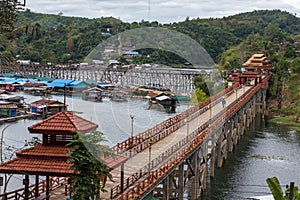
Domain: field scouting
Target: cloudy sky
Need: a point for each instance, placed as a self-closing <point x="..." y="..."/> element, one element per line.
<point x="164" y="11"/>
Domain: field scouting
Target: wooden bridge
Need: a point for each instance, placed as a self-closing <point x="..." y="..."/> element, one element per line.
<point x="172" y="159"/>
<point x="177" y="80"/>
<point x="175" y="155"/>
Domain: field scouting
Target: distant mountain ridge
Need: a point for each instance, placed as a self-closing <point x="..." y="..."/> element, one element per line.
<point x="59" y="39"/>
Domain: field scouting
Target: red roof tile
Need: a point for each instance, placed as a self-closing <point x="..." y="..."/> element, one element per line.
<point x="34" y="166"/>
<point x="45" y="151"/>
<point x="65" y="122"/>
<point x="48" y="160"/>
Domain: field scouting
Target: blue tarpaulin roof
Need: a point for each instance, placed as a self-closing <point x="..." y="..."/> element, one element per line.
<point x="131" y="53"/>
<point x="60" y="83"/>
<point x="79" y="84"/>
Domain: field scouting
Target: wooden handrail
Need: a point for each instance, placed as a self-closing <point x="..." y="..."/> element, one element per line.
<point x="55" y="182"/>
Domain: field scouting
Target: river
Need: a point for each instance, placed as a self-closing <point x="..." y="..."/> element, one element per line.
<point x="266" y="150"/>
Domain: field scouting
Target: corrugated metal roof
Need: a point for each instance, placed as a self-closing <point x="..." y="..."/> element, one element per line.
<point x="161" y="98"/>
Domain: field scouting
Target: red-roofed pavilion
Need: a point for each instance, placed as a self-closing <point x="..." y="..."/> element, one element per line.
<point x="50" y="157"/>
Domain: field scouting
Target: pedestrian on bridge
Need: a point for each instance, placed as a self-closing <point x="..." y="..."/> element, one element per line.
<point x="223" y="102"/>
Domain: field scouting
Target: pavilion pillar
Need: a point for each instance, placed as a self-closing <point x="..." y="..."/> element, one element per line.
<point x="26" y="187"/>
<point x="47" y="188"/>
<point x="122" y="178"/>
<point x="36" y="189"/>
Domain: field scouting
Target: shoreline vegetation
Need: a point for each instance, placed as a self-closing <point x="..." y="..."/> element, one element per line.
<point x="289" y="114"/>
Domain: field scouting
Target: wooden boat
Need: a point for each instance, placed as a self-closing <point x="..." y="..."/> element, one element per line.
<point x="118" y="96"/>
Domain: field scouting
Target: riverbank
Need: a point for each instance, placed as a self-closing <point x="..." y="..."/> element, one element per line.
<point x="289" y="113"/>
<point x="289" y="121"/>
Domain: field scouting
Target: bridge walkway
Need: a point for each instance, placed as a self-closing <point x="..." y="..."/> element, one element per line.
<point x="140" y="162"/>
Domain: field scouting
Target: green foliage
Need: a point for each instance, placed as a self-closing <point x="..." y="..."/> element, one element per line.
<point x="86" y="156"/>
<point x="295" y="65"/>
<point x="8" y="15"/>
<point x="198" y="96"/>
<point x="204" y="85"/>
<point x="60" y="39"/>
<point x="275" y="188"/>
<point x="277" y="192"/>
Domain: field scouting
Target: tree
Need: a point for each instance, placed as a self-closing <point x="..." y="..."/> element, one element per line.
<point x="198" y="96"/>
<point x="295" y="65"/>
<point x="202" y="83"/>
<point x="86" y="156"/>
<point x="8" y="16"/>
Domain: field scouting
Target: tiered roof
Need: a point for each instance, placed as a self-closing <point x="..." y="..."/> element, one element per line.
<point x="65" y="122"/>
<point x="257" y="61"/>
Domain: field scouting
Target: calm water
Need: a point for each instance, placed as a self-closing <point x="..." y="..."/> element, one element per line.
<point x="266" y="150"/>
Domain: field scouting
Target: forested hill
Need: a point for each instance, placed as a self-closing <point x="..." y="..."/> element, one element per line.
<point x="59" y="39"/>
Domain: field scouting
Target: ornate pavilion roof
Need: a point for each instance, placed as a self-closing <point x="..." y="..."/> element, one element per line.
<point x="51" y="160"/>
<point x="258" y="60"/>
<point x="63" y="123"/>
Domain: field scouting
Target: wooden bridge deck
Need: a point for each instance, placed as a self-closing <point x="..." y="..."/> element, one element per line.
<point x="140" y="161"/>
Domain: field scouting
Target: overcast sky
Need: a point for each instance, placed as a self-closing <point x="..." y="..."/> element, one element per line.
<point x="163" y="11"/>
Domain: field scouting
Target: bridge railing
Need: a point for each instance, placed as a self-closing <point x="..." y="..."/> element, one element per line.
<point x="55" y="182"/>
<point x="156" y="175"/>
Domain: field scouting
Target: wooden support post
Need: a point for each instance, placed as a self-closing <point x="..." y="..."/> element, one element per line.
<point x="224" y="148"/>
<point x="212" y="162"/>
<point x="122" y="178"/>
<point x="203" y="175"/>
<point x="47" y="188"/>
<point x="229" y="135"/>
<point x="195" y="181"/>
<point x="166" y="188"/>
<point x="220" y="156"/>
<point x="292" y="185"/>
<point x="181" y="182"/>
<point x="36" y="188"/>
<point x="26" y="187"/>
